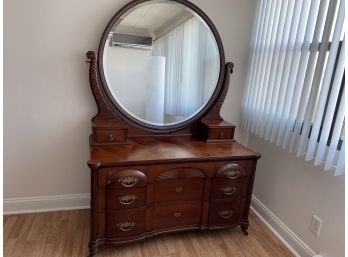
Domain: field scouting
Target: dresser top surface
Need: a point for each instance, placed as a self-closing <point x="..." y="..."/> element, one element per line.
<point x="152" y="150"/>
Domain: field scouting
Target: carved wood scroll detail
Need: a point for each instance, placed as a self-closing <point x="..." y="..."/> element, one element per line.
<point x="214" y="113"/>
<point x="103" y="108"/>
<point x="181" y="173"/>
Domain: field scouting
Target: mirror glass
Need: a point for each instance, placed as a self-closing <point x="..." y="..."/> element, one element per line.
<point x="161" y="62"/>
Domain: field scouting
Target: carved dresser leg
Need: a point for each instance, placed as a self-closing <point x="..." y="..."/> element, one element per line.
<point x="244" y="226"/>
<point x="92" y="246"/>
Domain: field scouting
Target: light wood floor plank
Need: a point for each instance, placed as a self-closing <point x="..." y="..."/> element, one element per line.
<point x="66" y="234"/>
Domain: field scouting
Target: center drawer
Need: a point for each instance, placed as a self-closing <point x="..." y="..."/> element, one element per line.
<point x="174" y="215"/>
<point x="191" y="190"/>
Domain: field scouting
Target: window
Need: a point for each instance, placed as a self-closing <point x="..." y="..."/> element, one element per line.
<point x="295" y="90"/>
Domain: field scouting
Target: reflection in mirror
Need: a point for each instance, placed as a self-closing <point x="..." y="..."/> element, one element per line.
<point x="161" y="62"/>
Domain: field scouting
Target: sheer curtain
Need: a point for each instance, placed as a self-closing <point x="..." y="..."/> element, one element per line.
<point x="189" y="51"/>
<point x="295" y="90"/>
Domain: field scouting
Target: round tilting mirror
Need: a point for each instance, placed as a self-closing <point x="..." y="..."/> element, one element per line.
<point x="161" y="63"/>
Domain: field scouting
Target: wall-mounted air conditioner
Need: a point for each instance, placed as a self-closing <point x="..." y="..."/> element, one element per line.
<point x="134" y="41"/>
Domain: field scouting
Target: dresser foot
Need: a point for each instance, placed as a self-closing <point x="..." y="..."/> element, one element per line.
<point x="244" y="227"/>
<point x="92" y="246"/>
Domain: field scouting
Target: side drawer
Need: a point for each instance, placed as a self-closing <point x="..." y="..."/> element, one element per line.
<point x="233" y="169"/>
<point x="126" y="223"/>
<point x="188" y="190"/>
<point x="127" y="178"/>
<point x="175" y="215"/>
<point x="125" y="198"/>
<point x="226" y="188"/>
<point x="224" y="212"/>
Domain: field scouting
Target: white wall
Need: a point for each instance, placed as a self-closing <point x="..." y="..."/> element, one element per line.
<point x="294" y="190"/>
<point x="47" y="100"/>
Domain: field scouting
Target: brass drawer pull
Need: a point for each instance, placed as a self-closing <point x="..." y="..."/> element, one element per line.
<point x="226" y="214"/>
<point x="228" y="190"/>
<point x="232" y="174"/>
<point x="127" y="199"/>
<point x="126" y="226"/>
<point x="221" y="135"/>
<point x="128" y="181"/>
<point x="177" y="214"/>
<point x="179" y="189"/>
<point x="110" y="138"/>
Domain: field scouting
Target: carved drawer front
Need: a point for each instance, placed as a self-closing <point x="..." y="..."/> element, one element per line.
<point x="226" y="188"/>
<point x="127" y="178"/>
<point x="117" y="198"/>
<point x="125" y="223"/>
<point x="225" y="212"/>
<point x="189" y="190"/>
<point x="110" y="135"/>
<point x="233" y="170"/>
<point x="174" y="215"/>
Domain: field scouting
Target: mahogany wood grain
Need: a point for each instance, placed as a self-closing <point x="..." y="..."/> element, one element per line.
<point x="132" y="220"/>
<point x="117" y="198"/>
<point x="177" y="190"/>
<point x="177" y="214"/>
<point x="224" y="212"/>
<point x="226" y="188"/>
<point x="110" y="135"/>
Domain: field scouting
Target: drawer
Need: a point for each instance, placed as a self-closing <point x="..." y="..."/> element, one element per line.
<point x="125" y="223"/>
<point x="110" y="135"/>
<point x="233" y="170"/>
<point x="226" y="188"/>
<point x="174" y="215"/>
<point x="224" y="212"/>
<point x="221" y="133"/>
<point x="188" y="190"/>
<point x="127" y="178"/>
<point x="125" y="198"/>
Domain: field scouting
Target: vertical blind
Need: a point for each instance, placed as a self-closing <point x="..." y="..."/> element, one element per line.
<point x="294" y="94"/>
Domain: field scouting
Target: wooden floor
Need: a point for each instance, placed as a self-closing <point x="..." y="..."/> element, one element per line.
<point x="66" y="234"/>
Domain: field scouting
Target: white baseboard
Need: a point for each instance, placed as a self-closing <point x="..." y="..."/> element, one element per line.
<point x="46" y="203"/>
<point x="289" y="238"/>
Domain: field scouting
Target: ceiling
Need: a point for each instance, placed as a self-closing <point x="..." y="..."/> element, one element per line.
<point x="154" y="19"/>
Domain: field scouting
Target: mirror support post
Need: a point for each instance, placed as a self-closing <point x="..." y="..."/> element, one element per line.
<point x="103" y="108"/>
<point x="214" y="113"/>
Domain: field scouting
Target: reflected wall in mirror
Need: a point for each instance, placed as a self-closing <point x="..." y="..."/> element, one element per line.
<point x="161" y="62"/>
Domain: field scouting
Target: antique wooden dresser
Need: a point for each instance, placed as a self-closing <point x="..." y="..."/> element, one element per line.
<point x="148" y="179"/>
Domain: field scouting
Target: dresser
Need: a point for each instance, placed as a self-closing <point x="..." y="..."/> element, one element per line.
<point x="158" y="185"/>
<point x="167" y="172"/>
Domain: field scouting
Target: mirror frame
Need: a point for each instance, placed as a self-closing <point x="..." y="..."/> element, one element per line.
<point x="128" y="118"/>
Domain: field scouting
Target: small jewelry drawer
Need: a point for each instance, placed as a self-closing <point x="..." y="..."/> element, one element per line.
<point x="224" y="212"/>
<point x="216" y="131"/>
<point x="175" y="215"/>
<point x="188" y="190"/>
<point x="110" y="135"/>
<point x="125" y="223"/>
<point x="221" y="134"/>
<point x="125" y="198"/>
<point x="226" y="188"/>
